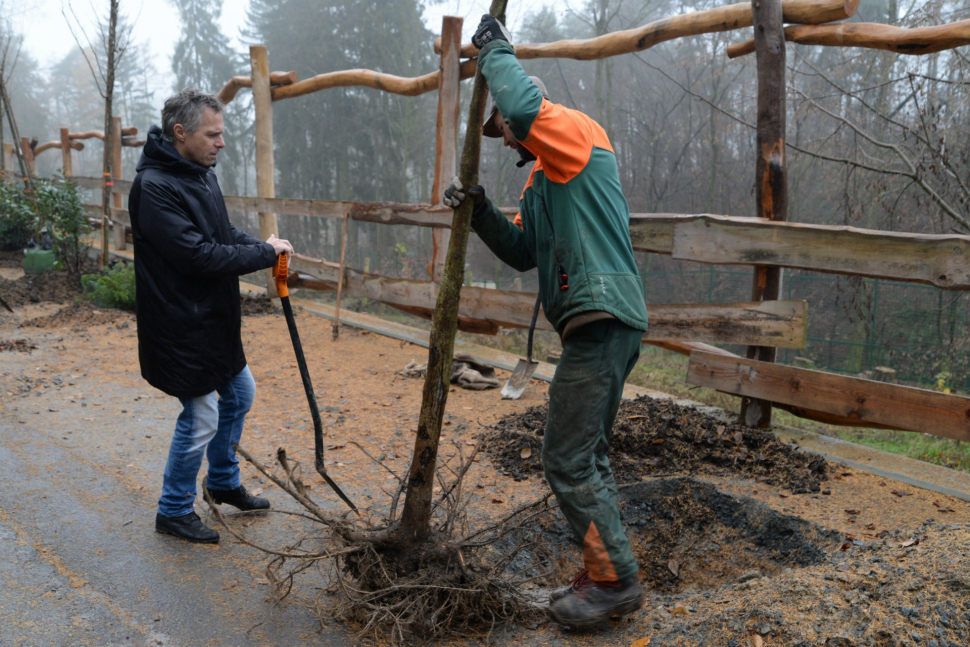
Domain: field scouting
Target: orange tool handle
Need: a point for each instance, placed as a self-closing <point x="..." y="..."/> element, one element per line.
<point x="280" y="272"/>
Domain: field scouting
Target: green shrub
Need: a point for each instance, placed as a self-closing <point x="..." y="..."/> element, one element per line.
<point x="62" y="212"/>
<point x="17" y="217"/>
<point x="114" y="288"/>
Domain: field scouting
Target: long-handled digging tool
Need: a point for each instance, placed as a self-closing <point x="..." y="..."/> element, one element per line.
<point x="526" y="367"/>
<point x="280" y="271"/>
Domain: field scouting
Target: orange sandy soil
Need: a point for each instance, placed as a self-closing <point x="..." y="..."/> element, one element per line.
<point x="378" y="409"/>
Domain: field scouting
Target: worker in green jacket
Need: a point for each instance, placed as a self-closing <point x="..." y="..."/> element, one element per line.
<point x="573" y="226"/>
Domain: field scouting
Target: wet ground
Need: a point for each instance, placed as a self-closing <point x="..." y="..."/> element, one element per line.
<point x="725" y="555"/>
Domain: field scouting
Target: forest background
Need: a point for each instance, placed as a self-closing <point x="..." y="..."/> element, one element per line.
<point x="877" y="140"/>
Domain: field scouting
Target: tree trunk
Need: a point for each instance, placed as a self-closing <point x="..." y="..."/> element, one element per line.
<point x="416" y="515"/>
<point x="109" y="90"/>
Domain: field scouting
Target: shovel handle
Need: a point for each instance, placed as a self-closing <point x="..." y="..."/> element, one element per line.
<point x="532" y="327"/>
<point x="280" y="272"/>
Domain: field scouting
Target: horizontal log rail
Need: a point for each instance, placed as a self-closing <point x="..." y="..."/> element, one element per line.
<point x="118" y="185"/>
<point x="916" y="41"/>
<point x="719" y="19"/>
<point x="388" y="213"/>
<point x="46" y="146"/>
<point x="129" y="131"/>
<point x="771" y="323"/>
<point x="237" y="83"/>
<point x="735" y="16"/>
<point x="406" y="86"/>
<point x="868" y="402"/>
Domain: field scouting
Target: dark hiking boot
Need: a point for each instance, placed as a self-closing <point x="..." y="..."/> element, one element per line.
<point x="239" y="498"/>
<point x="587" y="602"/>
<point x="188" y="527"/>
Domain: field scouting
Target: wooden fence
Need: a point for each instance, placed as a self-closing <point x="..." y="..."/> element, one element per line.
<point x="767" y="242"/>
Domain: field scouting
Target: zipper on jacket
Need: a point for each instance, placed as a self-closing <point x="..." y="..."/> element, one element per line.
<point x="560" y="270"/>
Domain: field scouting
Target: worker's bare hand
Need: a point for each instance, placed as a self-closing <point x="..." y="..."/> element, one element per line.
<point x="281" y="246"/>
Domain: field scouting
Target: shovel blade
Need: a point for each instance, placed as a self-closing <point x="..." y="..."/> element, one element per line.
<point x="519" y="379"/>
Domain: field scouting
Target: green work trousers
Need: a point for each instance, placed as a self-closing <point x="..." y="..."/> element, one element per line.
<point x="583" y="400"/>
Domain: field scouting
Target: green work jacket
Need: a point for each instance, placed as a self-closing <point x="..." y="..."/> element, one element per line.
<point x="573" y="217"/>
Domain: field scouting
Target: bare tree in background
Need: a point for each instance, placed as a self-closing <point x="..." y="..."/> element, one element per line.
<point x="109" y="45"/>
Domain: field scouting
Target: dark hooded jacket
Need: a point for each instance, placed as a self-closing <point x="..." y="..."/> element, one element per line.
<point x="188" y="257"/>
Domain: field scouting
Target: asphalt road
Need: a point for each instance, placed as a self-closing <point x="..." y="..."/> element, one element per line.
<point x="80" y="563"/>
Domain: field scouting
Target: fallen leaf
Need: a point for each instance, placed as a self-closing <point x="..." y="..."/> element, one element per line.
<point x="870" y="526"/>
<point x="657" y="441"/>
<point x="845" y="546"/>
<point x="679" y="611"/>
<point x="526" y="452"/>
<point x="909" y="542"/>
<point x="638" y="418"/>
<point x="641" y="642"/>
<point x="881" y="534"/>
<point x="497" y="501"/>
<point x="720" y="429"/>
<point x="738" y="438"/>
<point x="755" y="640"/>
<point x="900" y="493"/>
<point x="853" y="512"/>
<point x="941" y="508"/>
<point x="674" y="567"/>
<point x="262" y="580"/>
<point x="849" y="537"/>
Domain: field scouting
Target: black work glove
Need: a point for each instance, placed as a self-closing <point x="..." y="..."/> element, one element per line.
<point x="455" y="194"/>
<point x="490" y="29"/>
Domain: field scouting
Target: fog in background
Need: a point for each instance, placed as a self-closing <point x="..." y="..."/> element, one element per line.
<point x="881" y="141"/>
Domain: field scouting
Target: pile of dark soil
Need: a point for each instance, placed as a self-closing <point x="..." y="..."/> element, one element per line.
<point x="52" y="287"/>
<point x="11" y="258"/>
<point x="688" y="535"/>
<point x="20" y="345"/>
<point x="80" y="314"/>
<point x="255" y="306"/>
<point x="653" y="437"/>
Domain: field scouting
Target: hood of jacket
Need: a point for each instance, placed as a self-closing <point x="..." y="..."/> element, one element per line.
<point x="159" y="154"/>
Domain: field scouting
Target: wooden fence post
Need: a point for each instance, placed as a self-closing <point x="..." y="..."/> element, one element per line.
<point x="117" y="199"/>
<point x="66" y="153"/>
<point x="28" y="154"/>
<point x="446" y="150"/>
<point x="265" y="166"/>
<point x="771" y="170"/>
<point x="8" y="161"/>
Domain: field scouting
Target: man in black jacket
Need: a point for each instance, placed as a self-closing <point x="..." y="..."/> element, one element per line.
<point x="188" y="257"/>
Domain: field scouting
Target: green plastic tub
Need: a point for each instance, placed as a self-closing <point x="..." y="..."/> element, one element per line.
<point x="38" y="261"/>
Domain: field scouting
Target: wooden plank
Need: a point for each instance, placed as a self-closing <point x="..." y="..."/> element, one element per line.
<point x="931" y="259"/>
<point x="867" y="401"/>
<point x="780" y="323"/>
<point x="122" y="187"/>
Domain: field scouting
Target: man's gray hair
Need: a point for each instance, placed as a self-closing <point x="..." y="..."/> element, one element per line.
<point x="187" y="108"/>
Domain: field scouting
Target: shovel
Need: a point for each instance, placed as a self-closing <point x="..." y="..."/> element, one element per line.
<point x="280" y="272"/>
<point x="526" y="367"/>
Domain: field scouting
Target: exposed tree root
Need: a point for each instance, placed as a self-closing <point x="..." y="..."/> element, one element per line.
<point x="457" y="582"/>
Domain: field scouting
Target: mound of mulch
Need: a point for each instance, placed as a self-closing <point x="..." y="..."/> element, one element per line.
<point x="256" y="306"/>
<point x="51" y="287"/>
<point x="653" y="437"/>
<point x="80" y="314"/>
<point x="19" y="345"/>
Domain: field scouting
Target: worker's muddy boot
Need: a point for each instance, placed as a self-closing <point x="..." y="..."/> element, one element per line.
<point x="588" y="602"/>
<point x="239" y="498"/>
<point x="188" y="527"/>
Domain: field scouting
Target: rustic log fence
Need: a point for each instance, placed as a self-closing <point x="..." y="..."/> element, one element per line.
<point x="767" y="242"/>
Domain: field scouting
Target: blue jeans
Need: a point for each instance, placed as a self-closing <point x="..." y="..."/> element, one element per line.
<point x="214" y="420"/>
